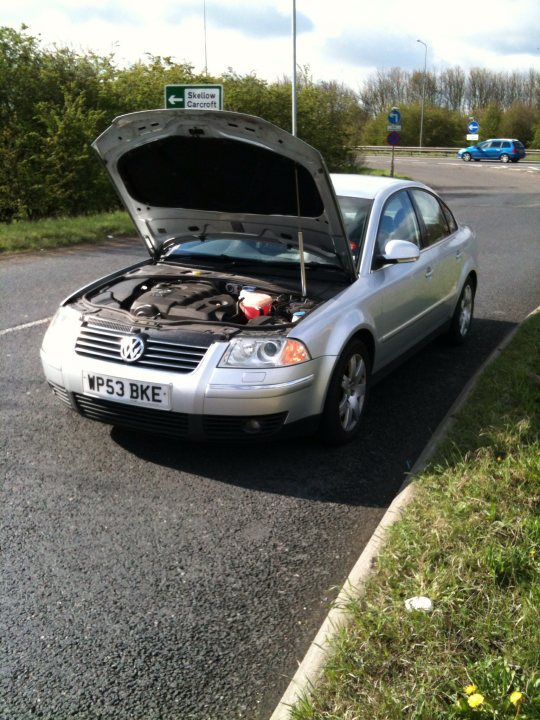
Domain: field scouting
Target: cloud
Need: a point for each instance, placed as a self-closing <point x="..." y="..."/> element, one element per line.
<point x="262" y="21"/>
<point x="512" y="42"/>
<point x="375" y="49"/>
<point x="111" y="12"/>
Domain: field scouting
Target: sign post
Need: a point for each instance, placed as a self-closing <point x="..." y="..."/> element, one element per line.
<point x="194" y="97"/>
<point x="393" y="138"/>
<point x="473" y="127"/>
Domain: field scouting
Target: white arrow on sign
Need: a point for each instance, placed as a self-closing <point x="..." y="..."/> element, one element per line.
<point x="173" y="99"/>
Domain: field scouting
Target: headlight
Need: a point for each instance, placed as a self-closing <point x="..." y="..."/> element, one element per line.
<point x="62" y="331"/>
<point x="264" y="351"/>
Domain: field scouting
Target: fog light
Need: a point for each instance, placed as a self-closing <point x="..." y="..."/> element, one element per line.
<point x="252" y="426"/>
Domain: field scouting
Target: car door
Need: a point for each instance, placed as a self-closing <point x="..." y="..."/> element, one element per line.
<point x="403" y="308"/>
<point x="493" y="150"/>
<point x="441" y="254"/>
<point x="480" y="151"/>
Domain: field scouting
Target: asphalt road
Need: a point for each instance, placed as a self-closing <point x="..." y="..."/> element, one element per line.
<point x="150" y="579"/>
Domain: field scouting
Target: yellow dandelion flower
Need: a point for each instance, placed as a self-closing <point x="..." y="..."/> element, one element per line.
<point x="516" y="697"/>
<point x="475" y="700"/>
<point x="470" y="689"/>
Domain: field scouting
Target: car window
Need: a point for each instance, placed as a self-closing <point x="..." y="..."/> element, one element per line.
<point x="483" y="145"/>
<point x="355" y="212"/>
<point x="398" y="222"/>
<point x="450" y="219"/>
<point x="432" y="215"/>
<point x="496" y="144"/>
<point x="505" y="144"/>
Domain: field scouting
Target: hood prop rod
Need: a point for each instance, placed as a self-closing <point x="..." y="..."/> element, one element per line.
<point x="300" y="237"/>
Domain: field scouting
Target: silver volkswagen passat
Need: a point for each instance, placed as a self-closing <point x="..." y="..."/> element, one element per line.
<point x="273" y="295"/>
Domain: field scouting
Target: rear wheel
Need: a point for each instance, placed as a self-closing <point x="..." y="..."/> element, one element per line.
<point x="466" y="157"/>
<point x="463" y="314"/>
<point x="505" y="158"/>
<point x="347" y="395"/>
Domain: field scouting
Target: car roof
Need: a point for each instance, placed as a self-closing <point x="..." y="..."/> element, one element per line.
<point x="367" y="186"/>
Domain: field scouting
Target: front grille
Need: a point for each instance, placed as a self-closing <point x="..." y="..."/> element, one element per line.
<point x="131" y="416"/>
<point x="102" y="341"/>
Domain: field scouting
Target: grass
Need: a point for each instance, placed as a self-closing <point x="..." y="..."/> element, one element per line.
<point x="470" y="541"/>
<point x="60" y="232"/>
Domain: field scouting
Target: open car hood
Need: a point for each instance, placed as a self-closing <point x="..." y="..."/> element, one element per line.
<point x="189" y="172"/>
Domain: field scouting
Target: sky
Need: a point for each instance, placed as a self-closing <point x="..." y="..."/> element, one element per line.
<point x="343" y="40"/>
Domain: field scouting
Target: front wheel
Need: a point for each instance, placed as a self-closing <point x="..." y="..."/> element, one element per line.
<point x="463" y="314"/>
<point x="505" y="158"/>
<point x="347" y="395"/>
<point x="466" y="157"/>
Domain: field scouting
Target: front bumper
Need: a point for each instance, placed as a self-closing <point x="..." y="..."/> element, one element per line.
<point x="210" y="403"/>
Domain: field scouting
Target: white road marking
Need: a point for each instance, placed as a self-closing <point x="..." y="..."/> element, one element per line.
<point x="25" y="326"/>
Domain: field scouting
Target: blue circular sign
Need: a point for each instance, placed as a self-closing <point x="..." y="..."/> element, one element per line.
<point x="473" y="126"/>
<point x="394" y="116"/>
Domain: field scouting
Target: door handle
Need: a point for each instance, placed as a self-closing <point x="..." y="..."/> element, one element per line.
<point x="459" y="255"/>
<point x="429" y="273"/>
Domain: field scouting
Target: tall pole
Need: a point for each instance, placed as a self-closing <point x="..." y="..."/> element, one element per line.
<point x="293" y="121"/>
<point x="423" y="92"/>
<point x="205" y="53"/>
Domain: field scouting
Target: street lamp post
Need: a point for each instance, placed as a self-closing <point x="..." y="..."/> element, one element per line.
<point x="423" y="91"/>
<point x="293" y="109"/>
<point x="205" y="51"/>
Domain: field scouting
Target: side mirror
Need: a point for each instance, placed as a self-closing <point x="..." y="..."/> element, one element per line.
<point x="400" y="251"/>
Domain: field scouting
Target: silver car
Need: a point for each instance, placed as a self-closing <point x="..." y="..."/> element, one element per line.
<point x="274" y="292"/>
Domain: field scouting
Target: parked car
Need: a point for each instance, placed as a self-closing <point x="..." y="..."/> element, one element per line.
<point x="502" y="149"/>
<point x="273" y="295"/>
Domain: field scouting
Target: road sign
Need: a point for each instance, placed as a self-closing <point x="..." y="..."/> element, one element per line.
<point x="472" y="136"/>
<point x="473" y="127"/>
<point x="194" y="97"/>
<point x="394" y="116"/>
<point x="393" y="138"/>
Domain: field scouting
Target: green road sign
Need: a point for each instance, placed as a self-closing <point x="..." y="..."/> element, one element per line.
<point x="194" y="97"/>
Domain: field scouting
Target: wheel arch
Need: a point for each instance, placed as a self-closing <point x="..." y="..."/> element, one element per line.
<point x="474" y="278"/>
<point x="367" y="338"/>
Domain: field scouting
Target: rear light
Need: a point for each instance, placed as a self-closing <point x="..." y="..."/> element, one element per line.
<point x="514" y="151"/>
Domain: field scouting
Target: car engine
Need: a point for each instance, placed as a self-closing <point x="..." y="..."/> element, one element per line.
<point x="212" y="300"/>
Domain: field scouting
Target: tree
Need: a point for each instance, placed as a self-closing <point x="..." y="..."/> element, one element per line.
<point x="518" y="122"/>
<point x="489" y="119"/>
<point x="451" y="89"/>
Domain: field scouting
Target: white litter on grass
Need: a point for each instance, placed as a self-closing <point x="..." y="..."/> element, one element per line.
<point x="419" y="603"/>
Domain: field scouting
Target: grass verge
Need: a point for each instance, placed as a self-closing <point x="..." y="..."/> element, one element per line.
<point x="470" y="541"/>
<point x="60" y="232"/>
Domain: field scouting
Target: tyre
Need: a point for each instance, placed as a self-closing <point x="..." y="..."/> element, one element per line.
<point x="463" y="314"/>
<point x="504" y="158"/>
<point x="347" y="395"/>
<point x="466" y="157"/>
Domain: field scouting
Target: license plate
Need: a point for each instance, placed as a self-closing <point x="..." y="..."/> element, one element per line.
<point x="133" y="392"/>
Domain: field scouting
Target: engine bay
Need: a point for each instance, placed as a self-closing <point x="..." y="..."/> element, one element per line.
<point x="164" y="298"/>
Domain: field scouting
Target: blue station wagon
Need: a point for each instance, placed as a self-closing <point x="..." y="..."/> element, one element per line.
<point x="503" y="149"/>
